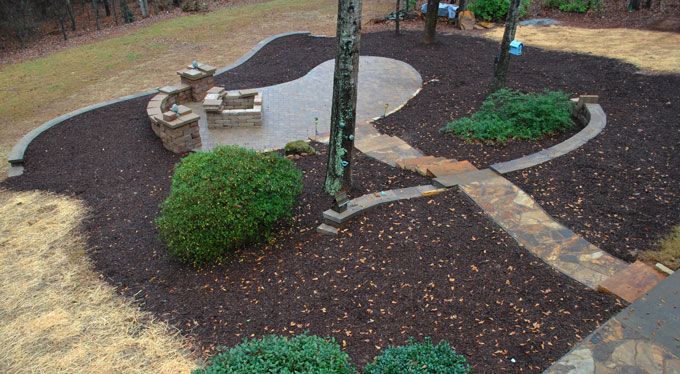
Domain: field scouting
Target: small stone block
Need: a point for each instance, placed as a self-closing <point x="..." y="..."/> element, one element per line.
<point x="169" y="116"/>
<point x="663" y="268"/>
<point x="588" y="99"/>
<point x="632" y="282"/>
<point x="217" y="91"/>
<point x="248" y="93"/>
<point x="327" y="229"/>
<point x="433" y="192"/>
<point x="182" y="110"/>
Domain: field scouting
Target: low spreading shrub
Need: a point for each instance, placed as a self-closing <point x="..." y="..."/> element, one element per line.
<point x="508" y="114"/>
<point x="496" y="10"/>
<point x="277" y="354"/>
<point x="194" y="6"/>
<point x="299" y="147"/>
<point x="224" y="199"/>
<point x="423" y="357"/>
<point x="575" y="6"/>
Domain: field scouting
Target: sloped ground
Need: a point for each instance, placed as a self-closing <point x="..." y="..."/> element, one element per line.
<point x="367" y="287"/>
<point x="56" y="314"/>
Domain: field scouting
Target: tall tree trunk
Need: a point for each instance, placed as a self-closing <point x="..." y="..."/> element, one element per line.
<point x="396" y="20"/>
<point x="431" y="21"/>
<point x="107" y="8"/>
<point x="633" y="5"/>
<point x="648" y="4"/>
<point x="144" y="6"/>
<point x="61" y="26"/>
<point x="115" y="14"/>
<point x="71" y="16"/>
<point x="95" y="4"/>
<point x="503" y="59"/>
<point x="343" y="112"/>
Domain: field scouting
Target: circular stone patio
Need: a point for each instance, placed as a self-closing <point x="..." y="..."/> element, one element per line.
<point x="289" y="109"/>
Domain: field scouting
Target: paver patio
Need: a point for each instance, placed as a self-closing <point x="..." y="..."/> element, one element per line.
<point x="290" y="109"/>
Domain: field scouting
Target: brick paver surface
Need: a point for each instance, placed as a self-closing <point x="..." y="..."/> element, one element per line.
<point x="290" y="109"/>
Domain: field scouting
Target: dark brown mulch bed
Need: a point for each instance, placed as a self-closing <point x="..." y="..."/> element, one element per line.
<point x="307" y="282"/>
<point x="621" y="191"/>
<point x="433" y="267"/>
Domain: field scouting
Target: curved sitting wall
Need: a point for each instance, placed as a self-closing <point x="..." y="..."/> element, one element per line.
<point x="596" y="121"/>
<point x="18" y="151"/>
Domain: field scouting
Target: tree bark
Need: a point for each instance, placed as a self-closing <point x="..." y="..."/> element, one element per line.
<point x="107" y="8"/>
<point x="343" y="112"/>
<point x="144" y="6"/>
<point x="431" y="21"/>
<point x="115" y="14"/>
<point x="61" y="26"/>
<point x="503" y="59"/>
<point x="396" y="20"/>
<point x="71" y="16"/>
<point x="95" y="4"/>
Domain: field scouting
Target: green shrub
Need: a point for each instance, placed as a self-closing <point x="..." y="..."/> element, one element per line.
<point x="277" y="354"/>
<point x="224" y="199"/>
<point x="299" y="147"/>
<point x="194" y="6"/>
<point x="508" y="114"/>
<point x="496" y="10"/>
<point x="419" y="358"/>
<point x="576" y="6"/>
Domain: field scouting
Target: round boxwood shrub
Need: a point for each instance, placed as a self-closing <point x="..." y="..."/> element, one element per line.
<point x="423" y="357"/>
<point x="278" y="354"/>
<point x="224" y="199"/>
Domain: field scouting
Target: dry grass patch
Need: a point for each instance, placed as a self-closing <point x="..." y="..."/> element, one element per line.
<point x="41" y="89"/>
<point x="56" y="315"/>
<point x="648" y="50"/>
<point x="668" y="252"/>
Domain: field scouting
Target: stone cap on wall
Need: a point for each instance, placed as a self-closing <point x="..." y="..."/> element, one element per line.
<point x="174" y="120"/>
<point x="196" y="73"/>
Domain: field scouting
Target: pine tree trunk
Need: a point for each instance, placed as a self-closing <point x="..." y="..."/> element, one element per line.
<point x="431" y="21"/>
<point x="61" y="26"/>
<point x="343" y="113"/>
<point x="503" y="59"/>
<point x="95" y="4"/>
<point x="396" y="20"/>
<point x="144" y="6"/>
<point x="71" y="16"/>
<point x="115" y="14"/>
<point x="107" y="8"/>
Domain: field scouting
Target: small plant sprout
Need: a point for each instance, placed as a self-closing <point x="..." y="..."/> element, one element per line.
<point x="316" y="126"/>
<point x="387" y="105"/>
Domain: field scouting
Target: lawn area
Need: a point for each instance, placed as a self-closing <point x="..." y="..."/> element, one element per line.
<point x="49" y="86"/>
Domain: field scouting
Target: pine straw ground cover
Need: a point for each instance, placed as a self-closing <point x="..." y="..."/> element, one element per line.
<point x="56" y="314"/>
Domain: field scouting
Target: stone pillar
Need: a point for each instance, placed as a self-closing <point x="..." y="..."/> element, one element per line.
<point x="179" y="131"/>
<point x="199" y="77"/>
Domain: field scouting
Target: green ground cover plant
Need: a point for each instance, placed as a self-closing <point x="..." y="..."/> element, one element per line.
<point x="496" y="10"/>
<point x="224" y="199"/>
<point x="280" y="354"/>
<point x="574" y="6"/>
<point x="299" y="147"/>
<point x="419" y="357"/>
<point x="507" y="114"/>
<point x="668" y="252"/>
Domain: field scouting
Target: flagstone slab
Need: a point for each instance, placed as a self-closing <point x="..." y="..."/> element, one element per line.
<point x="519" y="215"/>
<point x="643" y="338"/>
<point x="632" y="282"/>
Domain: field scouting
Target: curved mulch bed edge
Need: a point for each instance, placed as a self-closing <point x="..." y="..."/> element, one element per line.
<point x="367" y="287"/>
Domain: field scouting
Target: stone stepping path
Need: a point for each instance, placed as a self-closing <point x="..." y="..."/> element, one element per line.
<point x="643" y="338"/>
<point x="521" y="217"/>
